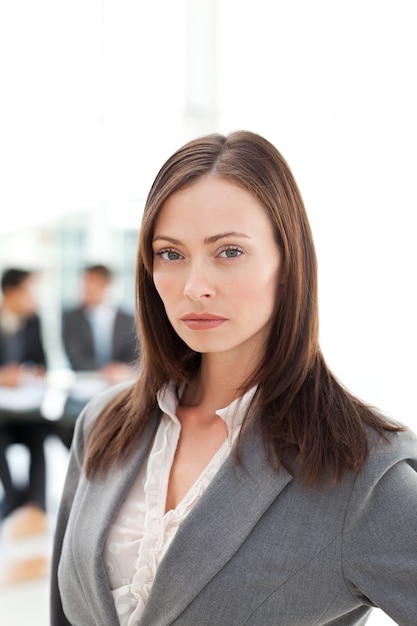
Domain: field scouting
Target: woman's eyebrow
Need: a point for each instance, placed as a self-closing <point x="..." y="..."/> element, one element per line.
<point x="207" y="240"/>
<point x="164" y="238"/>
<point x="231" y="233"/>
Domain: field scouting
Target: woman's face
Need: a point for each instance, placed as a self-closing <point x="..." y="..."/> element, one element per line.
<point x="216" y="267"/>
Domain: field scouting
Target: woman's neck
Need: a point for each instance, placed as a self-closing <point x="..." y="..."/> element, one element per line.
<point x="216" y="384"/>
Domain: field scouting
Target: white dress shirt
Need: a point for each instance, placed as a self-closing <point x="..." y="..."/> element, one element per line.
<point x="101" y="319"/>
<point x="142" y="530"/>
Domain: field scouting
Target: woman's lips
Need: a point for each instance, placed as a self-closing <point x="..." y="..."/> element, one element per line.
<point x="203" y="321"/>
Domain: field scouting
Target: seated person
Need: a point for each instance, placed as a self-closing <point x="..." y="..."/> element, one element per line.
<point x="97" y="335"/>
<point x="21" y="356"/>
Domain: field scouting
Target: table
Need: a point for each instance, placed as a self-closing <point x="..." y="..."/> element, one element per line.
<point x="54" y="401"/>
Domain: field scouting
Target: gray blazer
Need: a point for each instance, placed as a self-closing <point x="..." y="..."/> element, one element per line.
<point x="258" y="549"/>
<point x="78" y="340"/>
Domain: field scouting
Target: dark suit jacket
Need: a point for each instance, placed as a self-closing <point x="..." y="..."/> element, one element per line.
<point x="79" y="344"/>
<point x="33" y="351"/>
<point x="258" y="548"/>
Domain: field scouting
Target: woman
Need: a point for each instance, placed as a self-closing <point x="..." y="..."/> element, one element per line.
<point x="236" y="482"/>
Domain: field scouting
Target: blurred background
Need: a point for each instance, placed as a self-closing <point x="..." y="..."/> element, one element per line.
<point x="96" y="94"/>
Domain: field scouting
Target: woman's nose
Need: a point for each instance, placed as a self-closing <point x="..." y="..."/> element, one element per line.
<point x="198" y="284"/>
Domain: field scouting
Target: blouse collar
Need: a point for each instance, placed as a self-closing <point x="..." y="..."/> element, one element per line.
<point x="233" y="414"/>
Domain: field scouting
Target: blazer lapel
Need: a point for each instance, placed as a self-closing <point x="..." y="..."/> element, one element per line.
<point x="214" y="530"/>
<point x="102" y="499"/>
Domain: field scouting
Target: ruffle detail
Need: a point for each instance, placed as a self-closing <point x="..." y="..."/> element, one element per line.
<point x="142" y="531"/>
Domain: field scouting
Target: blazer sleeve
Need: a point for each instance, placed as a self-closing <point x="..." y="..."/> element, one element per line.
<point x="72" y="480"/>
<point x="70" y="486"/>
<point x="380" y="536"/>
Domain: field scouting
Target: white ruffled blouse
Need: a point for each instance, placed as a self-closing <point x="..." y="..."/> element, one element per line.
<point x="142" y="531"/>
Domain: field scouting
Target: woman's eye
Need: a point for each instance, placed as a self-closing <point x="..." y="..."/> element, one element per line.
<point x="168" y="255"/>
<point x="231" y="253"/>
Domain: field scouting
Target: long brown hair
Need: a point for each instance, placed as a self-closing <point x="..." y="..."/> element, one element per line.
<point x="299" y="405"/>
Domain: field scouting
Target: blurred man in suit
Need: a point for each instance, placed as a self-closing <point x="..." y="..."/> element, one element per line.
<point x="22" y="358"/>
<point x="97" y="335"/>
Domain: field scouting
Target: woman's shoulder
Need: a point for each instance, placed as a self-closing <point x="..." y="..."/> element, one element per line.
<point x="386" y="484"/>
<point x="391" y="449"/>
<point x="395" y="443"/>
<point x="99" y="402"/>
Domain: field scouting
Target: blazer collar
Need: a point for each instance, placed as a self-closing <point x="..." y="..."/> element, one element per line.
<point x="217" y="525"/>
<point x="235" y="500"/>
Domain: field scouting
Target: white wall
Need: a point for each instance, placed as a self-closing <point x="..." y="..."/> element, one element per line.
<point x="96" y="94"/>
